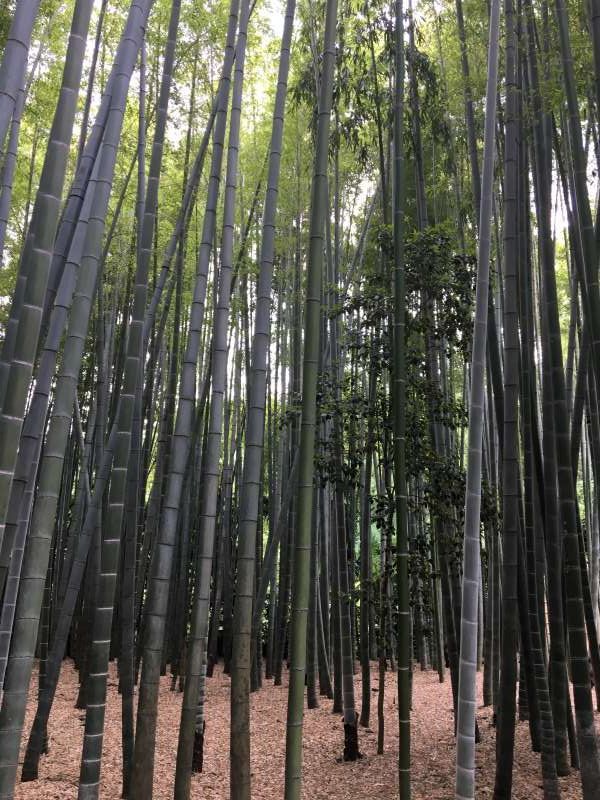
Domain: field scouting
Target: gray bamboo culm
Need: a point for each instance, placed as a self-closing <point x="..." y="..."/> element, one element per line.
<point x="14" y="61"/>
<point x="254" y="442"/>
<point x="467" y="687"/>
<point x="158" y="594"/>
<point x="197" y="647"/>
<point x="312" y="326"/>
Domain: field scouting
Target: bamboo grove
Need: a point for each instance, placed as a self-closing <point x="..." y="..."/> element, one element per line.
<point x="300" y="374"/>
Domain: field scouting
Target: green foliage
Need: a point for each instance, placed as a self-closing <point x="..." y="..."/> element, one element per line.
<point x="6" y="12"/>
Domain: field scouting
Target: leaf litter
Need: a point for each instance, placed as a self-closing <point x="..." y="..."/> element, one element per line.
<point x="325" y="776"/>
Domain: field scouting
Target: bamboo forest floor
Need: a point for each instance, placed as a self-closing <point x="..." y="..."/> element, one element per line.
<point x="325" y="778"/>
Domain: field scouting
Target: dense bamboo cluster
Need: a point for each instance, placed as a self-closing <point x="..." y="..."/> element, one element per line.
<point x="300" y="372"/>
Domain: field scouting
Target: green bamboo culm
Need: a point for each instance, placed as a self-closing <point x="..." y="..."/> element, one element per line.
<point x="399" y="418"/>
<point x="35" y="257"/>
<point x="125" y="420"/>
<point x="86" y="248"/>
<point x="312" y="323"/>
<point x="37" y="253"/>
<point x="467" y="687"/>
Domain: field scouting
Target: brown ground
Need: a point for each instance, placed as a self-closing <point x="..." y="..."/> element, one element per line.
<point x="371" y="778"/>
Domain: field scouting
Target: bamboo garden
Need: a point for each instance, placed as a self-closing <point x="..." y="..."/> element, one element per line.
<point x="299" y="399"/>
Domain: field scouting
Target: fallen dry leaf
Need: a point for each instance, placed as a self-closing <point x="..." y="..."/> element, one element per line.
<point x="325" y="778"/>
